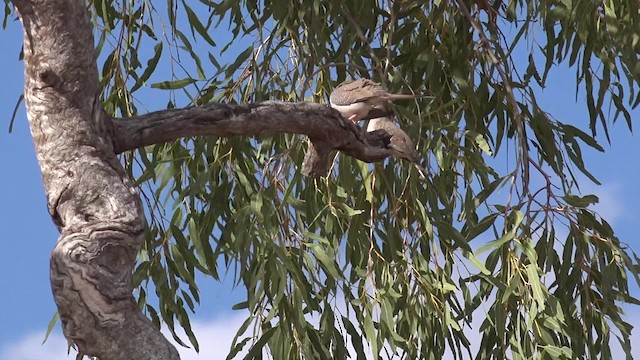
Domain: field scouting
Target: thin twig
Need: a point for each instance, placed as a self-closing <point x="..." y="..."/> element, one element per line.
<point x="521" y="158"/>
<point x="392" y="29"/>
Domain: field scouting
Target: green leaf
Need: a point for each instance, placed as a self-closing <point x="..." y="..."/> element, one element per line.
<point x="477" y="263"/>
<point x="480" y="141"/>
<point x="242" y="57"/>
<point x="237" y="348"/>
<point x="15" y="111"/>
<point x="514" y="221"/>
<point x="327" y="262"/>
<point x="558" y="352"/>
<point x="195" y="23"/>
<point x="356" y="339"/>
<point x="370" y="333"/>
<point x="536" y="286"/>
<point x="173" y="85"/>
<point x="52" y="323"/>
<point x="151" y="67"/>
<point x="581" y="201"/>
<point x="258" y="346"/>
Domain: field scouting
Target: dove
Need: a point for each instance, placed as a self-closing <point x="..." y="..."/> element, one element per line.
<point x="400" y="143"/>
<point x="354" y="99"/>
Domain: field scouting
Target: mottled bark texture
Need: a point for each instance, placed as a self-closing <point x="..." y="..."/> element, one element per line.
<point x="91" y="200"/>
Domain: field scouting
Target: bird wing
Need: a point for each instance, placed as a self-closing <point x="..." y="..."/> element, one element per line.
<point x="354" y="91"/>
<point x="363" y="90"/>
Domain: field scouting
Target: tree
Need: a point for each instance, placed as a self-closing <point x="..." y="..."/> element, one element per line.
<point x="336" y="255"/>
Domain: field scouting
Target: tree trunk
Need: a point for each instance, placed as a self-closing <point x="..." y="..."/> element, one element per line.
<point x="90" y="198"/>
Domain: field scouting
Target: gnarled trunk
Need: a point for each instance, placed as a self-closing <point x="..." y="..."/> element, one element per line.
<point x="92" y="201"/>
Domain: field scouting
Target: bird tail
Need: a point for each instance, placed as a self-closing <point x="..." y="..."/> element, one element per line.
<point x="407" y="96"/>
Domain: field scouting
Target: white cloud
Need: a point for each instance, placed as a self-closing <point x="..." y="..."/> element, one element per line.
<point x="30" y="347"/>
<point x="214" y="337"/>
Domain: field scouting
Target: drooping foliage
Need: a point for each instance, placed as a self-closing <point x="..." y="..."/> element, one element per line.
<point x="373" y="260"/>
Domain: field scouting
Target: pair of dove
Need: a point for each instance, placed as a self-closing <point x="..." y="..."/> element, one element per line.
<point x="354" y="99"/>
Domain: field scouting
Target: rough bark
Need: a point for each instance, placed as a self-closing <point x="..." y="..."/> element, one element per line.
<point x="326" y="129"/>
<point x="90" y="198"/>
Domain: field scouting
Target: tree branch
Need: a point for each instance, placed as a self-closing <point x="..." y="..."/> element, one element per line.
<point x="326" y="129"/>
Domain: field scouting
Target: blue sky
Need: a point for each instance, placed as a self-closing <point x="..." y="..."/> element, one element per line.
<point x="27" y="233"/>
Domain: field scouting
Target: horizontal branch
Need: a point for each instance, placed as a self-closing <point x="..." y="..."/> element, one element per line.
<point x="326" y="129"/>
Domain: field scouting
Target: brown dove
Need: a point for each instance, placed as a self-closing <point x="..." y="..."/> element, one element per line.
<point x="400" y="143"/>
<point x="355" y="98"/>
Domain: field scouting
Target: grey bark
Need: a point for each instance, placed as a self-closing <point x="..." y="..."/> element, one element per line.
<point x="326" y="129"/>
<point x="90" y="198"/>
